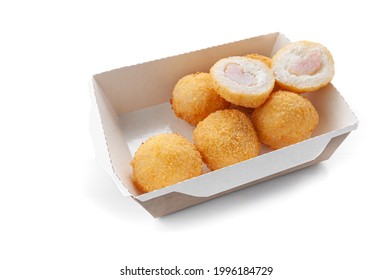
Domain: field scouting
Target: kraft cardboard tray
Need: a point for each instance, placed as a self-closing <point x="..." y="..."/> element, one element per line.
<point x="131" y="104"/>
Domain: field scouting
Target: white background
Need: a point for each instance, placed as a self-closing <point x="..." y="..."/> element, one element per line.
<point x="63" y="218"/>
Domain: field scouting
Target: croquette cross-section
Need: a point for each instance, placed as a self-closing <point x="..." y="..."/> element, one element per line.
<point x="242" y="81"/>
<point x="164" y="160"/>
<point x="303" y="66"/>
<point x="225" y="138"/>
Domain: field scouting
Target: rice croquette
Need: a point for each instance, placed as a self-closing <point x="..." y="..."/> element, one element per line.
<point x="226" y="137"/>
<point x="194" y="98"/>
<point x="242" y="81"/>
<point x="164" y="160"/>
<point x="303" y="66"/>
<point x="284" y="119"/>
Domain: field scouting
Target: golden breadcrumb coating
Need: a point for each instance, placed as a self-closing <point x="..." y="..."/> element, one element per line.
<point x="164" y="160"/>
<point x="284" y="119"/>
<point x="267" y="60"/>
<point x="225" y="138"/>
<point x="194" y="98"/>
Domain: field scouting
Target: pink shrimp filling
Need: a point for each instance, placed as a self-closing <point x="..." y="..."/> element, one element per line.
<point x="307" y="65"/>
<point x="236" y="73"/>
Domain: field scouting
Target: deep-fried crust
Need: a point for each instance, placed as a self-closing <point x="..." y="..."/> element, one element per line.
<point x="194" y="98"/>
<point x="225" y="138"/>
<point x="267" y="60"/>
<point x="164" y="160"/>
<point x="285" y="118"/>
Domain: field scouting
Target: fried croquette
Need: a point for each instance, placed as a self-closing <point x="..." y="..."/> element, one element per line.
<point x="242" y="81"/>
<point x="164" y="160"/>
<point x="194" y="98"/>
<point x="267" y="60"/>
<point x="284" y="119"/>
<point x="303" y="66"/>
<point x="226" y="137"/>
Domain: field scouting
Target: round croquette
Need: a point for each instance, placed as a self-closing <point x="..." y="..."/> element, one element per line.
<point x="164" y="160"/>
<point x="194" y="98"/>
<point x="226" y="137"/>
<point x="284" y="119"/>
